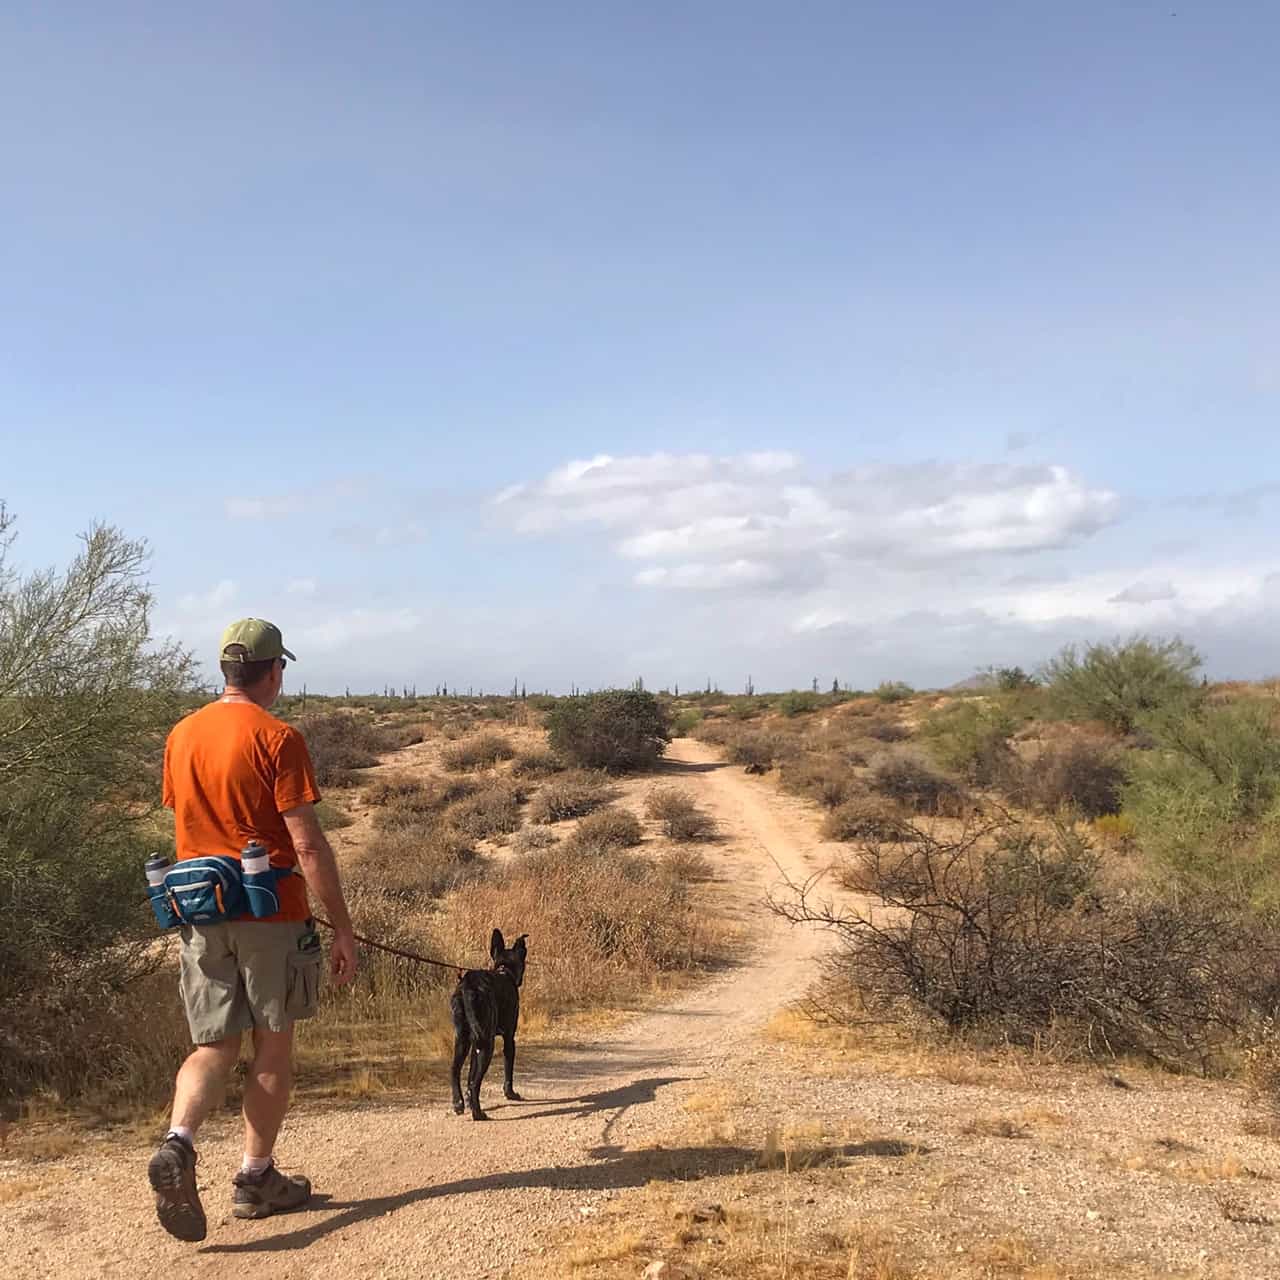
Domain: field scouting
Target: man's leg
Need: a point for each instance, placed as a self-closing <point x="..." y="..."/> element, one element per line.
<point x="260" y="1188"/>
<point x="214" y="999"/>
<point x="266" y="1090"/>
<point x="201" y="1081"/>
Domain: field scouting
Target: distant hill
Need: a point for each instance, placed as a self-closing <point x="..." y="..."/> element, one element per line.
<point x="979" y="680"/>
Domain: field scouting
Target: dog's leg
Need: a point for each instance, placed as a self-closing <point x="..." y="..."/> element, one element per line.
<point x="461" y="1048"/>
<point x="509" y="1064"/>
<point x="480" y="1057"/>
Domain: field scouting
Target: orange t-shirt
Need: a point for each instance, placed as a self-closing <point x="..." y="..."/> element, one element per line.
<point x="230" y="770"/>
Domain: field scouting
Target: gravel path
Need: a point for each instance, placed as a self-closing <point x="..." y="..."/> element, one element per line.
<point x="416" y="1191"/>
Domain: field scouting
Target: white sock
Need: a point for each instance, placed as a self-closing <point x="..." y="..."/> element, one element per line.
<point x="255" y="1164"/>
<point x="181" y="1131"/>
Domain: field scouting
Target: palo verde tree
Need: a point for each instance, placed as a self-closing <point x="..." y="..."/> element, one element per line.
<point x="85" y="700"/>
<point x="617" y="729"/>
<point x="1118" y="683"/>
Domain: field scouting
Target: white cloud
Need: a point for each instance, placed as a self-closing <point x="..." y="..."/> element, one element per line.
<point x="201" y="603"/>
<point x="1145" y="593"/>
<point x="757" y="519"/>
<point x="374" y="626"/>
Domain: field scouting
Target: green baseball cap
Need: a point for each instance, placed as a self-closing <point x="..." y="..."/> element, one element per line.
<point x="261" y="641"/>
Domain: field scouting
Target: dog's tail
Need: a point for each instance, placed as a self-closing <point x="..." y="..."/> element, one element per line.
<point x="472" y="1014"/>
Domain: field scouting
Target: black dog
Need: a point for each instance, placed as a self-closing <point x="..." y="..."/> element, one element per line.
<point x="485" y="1005"/>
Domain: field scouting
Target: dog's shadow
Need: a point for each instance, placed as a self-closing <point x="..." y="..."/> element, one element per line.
<point x="634" y="1094"/>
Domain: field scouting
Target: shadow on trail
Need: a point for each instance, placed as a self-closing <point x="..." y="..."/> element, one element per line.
<point x="589" y="1104"/>
<point x="683" y="768"/>
<point x="617" y="1170"/>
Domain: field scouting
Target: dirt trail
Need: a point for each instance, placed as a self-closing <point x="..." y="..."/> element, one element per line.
<point x="415" y="1191"/>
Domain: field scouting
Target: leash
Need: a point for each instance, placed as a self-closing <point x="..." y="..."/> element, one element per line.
<point x="459" y="969"/>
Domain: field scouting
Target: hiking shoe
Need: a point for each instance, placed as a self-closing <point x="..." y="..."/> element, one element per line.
<point x="172" y="1174"/>
<point x="261" y="1195"/>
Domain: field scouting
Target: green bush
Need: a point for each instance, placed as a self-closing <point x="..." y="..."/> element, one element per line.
<point x="893" y="691"/>
<point x="686" y="721"/>
<point x="1206" y="799"/>
<point x="86" y="698"/>
<point x="1117" y="683"/>
<point x="618" y="730"/>
<point x="798" y="702"/>
<point x="972" y="738"/>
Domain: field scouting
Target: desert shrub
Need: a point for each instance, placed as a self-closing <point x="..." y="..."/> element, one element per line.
<point x="608" y="828"/>
<point x="480" y="752"/>
<point x="618" y="730"/>
<point x="86" y="698"/>
<point x="536" y="762"/>
<point x="756" y="750"/>
<point x="686" y="721"/>
<point x="491" y="811"/>
<point x="824" y="778"/>
<point x="679" y="814"/>
<point x="972" y="738"/>
<point x="527" y="839"/>
<point x="686" y="863"/>
<point x="1116" y="829"/>
<point x="887" y="731"/>
<point x="1005" y="931"/>
<point x="1117" y="683"/>
<point x="1207" y="799"/>
<point x="569" y="795"/>
<point x="400" y="798"/>
<point x="906" y="777"/>
<point x="864" y="818"/>
<point x="715" y="732"/>
<point x="893" y="691"/>
<point x="341" y="743"/>
<point x="412" y="861"/>
<point x="1085" y="775"/>
<point x="1012" y="679"/>
<point x="798" y="702"/>
<point x="614" y="922"/>
<point x="331" y="817"/>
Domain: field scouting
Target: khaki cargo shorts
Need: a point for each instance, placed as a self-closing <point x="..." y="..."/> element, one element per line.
<point x="247" y="973"/>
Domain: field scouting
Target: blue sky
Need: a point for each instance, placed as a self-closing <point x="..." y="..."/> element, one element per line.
<point x="577" y="342"/>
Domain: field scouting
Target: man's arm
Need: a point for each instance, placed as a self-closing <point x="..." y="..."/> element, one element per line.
<point x="320" y="870"/>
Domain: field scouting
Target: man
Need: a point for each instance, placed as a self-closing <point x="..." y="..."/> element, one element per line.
<point x="234" y="773"/>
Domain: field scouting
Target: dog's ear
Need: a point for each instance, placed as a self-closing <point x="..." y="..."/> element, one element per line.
<point x="521" y="945"/>
<point x="496" y="944"/>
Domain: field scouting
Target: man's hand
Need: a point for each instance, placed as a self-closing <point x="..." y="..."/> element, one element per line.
<point x="342" y="957"/>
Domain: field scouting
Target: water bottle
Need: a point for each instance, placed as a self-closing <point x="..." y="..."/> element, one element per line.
<point x="155" y="867"/>
<point x="259" y="879"/>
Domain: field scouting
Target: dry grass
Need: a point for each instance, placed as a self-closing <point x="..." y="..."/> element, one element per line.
<point x="572" y="794"/>
<point x="480" y="752"/>
<point x="679" y="815"/>
<point x="492" y="810"/>
<point x="608" y="828"/>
